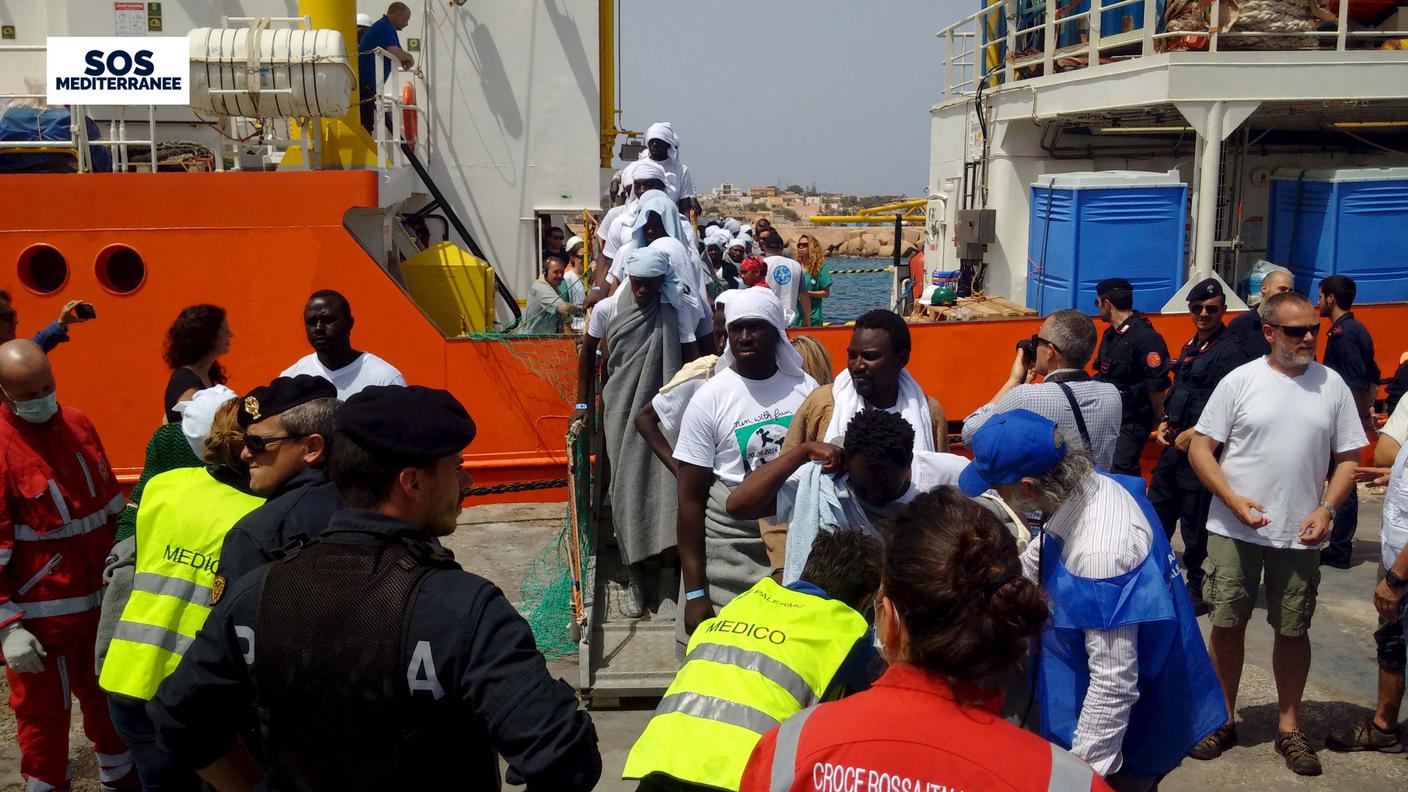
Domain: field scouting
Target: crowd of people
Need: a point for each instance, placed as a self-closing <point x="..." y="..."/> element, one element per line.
<point x="735" y="472"/>
<point x="654" y="206"/>
<point x="853" y="604"/>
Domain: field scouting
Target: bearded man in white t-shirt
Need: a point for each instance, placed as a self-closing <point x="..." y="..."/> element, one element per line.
<point x="327" y="321"/>
<point x="734" y="425"/>
<point x="1277" y="419"/>
<point x="785" y="279"/>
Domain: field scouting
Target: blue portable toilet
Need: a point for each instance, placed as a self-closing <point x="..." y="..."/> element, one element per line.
<point x="1093" y="225"/>
<point x="1346" y="221"/>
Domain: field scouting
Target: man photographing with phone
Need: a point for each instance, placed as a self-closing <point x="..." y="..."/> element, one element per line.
<point x="74" y="312"/>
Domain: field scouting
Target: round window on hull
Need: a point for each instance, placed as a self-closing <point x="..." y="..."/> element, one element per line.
<point x="120" y="269"/>
<point x="42" y="269"/>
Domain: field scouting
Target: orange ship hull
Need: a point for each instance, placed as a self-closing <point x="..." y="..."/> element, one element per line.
<point x="259" y="243"/>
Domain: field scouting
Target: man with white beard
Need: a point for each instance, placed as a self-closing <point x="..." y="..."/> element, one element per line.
<point x="1277" y="419"/>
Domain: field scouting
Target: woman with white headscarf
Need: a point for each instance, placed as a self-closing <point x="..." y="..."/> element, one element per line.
<point x="643" y="353"/>
<point x="735" y="423"/>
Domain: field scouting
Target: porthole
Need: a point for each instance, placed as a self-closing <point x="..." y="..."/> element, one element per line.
<point x="43" y="269"/>
<point x="120" y="269"/>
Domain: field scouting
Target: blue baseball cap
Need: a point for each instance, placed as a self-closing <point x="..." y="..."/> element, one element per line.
<point x="1011" y="446"/>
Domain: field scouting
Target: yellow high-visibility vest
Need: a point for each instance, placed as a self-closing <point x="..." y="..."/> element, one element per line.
<point x="769" y="653"/>
<point x="181" y="524"/>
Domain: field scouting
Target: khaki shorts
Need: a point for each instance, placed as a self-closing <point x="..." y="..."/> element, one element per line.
<point x="1234" y="573"/>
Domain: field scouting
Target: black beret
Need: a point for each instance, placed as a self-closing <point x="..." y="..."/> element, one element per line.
<point x="409" y="423"/>
<point x="1108" y="285"/>
<point x="281" y="395"/>
<point x="1206" y="289"/>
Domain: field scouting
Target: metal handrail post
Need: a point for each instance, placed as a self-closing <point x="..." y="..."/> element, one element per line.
<point x="1149" y="23"/>
<point x="1048" y="43"/>
<point x="1093" y="33"/>
<point x="948" y="64"/>
<point x="1214" y="25"/>
<point x="1342" y="26"/>
<point x="1009" y="73"/>
<point x="151" y="129"/>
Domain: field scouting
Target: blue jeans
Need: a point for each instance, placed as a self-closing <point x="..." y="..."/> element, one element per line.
<point x="156" y="768"/>
<point x="1341" y="545"/>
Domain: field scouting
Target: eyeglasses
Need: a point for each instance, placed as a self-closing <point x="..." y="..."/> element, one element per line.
<point x="1298" y="331"/>
<point x="258" y="444"/>
<point x="1204" y="308"/>
<point x="1039" y="341"/>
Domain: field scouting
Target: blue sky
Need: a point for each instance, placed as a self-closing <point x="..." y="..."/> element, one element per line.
<point x="770" y="91"/>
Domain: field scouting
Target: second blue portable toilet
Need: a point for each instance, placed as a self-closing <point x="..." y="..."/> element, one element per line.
<point x="1346" y="221"/>
<point x="1092" y="225"/>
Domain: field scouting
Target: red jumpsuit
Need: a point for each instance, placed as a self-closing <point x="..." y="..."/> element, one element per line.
<point x="907" y="734"/>
<point x="60" y="501"/>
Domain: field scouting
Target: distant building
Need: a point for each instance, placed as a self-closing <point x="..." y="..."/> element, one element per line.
<point x="762" y="192"/>
<point x="726" y="192"/>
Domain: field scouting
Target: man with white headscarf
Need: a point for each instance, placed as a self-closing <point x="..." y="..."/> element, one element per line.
<point x="643" y="353"/>
<point x="735" y="424"/>
<point x="658" y="225"/>
<point x="662" y="146"/>
<point x="645" y="176"/>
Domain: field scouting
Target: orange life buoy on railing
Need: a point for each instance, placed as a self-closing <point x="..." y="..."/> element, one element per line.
<point x="409" y="119"/>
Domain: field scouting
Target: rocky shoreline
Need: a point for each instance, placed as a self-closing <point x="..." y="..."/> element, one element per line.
<point x="873" y="242"/>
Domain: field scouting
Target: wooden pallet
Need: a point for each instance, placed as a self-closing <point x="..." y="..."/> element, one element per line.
<point x="969" y="308"/>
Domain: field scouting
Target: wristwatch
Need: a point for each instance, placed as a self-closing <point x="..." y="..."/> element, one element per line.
<point x="1327" y="507"/>
<point x="1394" y="581"/>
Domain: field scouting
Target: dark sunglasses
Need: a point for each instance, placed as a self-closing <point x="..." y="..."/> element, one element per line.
<point x="1204" y="308"/>
<point x="1298" y="331"/>
<point x="1038" y="341"/>
<point x="804" y="244"/>
<point x="258" y="444"/>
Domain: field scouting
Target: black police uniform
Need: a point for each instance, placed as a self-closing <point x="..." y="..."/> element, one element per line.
<point x="1134" y="358"/>
<point x="1349" y="351"/>
<point x="1174" y="489"/>
<point x="298" y="511"/>
<point x="344" y="702"/>
<point x="1246" y="331"/>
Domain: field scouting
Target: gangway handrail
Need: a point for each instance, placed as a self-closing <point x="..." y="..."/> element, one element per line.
<point x="454" y="218"/>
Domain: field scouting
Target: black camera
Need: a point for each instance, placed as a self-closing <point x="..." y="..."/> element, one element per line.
<point x="1028" y="347"/>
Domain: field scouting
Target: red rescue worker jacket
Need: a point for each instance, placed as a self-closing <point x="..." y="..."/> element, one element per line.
<point x="907" y="734"/>
<point x="57" y="522"/>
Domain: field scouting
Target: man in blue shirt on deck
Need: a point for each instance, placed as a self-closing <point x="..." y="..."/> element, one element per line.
<point x="382" y="34"/>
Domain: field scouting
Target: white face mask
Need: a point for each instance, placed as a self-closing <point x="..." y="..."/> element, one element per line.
<point x="37" y="410"/>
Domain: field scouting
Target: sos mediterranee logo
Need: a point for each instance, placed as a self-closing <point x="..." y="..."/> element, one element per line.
<point x="91" y="70"/>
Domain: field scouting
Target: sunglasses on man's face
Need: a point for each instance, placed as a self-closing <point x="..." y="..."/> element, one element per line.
<point x="258" y="444"/>
<point x="1037" y="340"/>
<point x="1204" y="308"/>
<point x="1298" y="331"/>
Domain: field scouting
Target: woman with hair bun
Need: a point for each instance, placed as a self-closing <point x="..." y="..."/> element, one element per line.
<point x="955" y="613"/>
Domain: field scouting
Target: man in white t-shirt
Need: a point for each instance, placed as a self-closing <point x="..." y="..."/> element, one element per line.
<point x="785" y="279"/>
<point x="1277" y="419"/>
<point x="817" y="485"/>
<point x="327" y="320"/>
<point x="734" y="425"/>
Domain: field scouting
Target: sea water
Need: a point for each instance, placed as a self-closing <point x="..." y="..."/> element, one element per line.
<point x="853" y="295"/>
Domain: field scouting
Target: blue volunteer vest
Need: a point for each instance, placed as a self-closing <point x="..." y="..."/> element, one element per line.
<point x="1180" y="700"/>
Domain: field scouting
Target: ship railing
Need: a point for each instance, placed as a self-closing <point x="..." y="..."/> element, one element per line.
<point x="393" y="108"/>
<point x="987" y="48"/>
<point x="78" y="142"/>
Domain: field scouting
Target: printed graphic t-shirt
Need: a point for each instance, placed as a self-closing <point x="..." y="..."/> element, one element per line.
<point x="734" y="425"/>
<point x="784" y="278"/>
